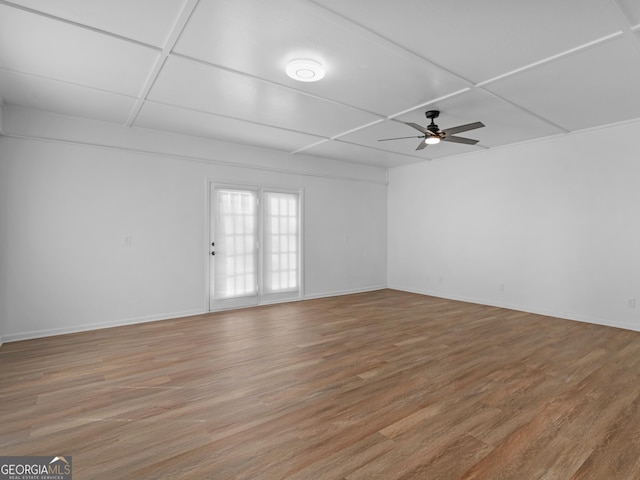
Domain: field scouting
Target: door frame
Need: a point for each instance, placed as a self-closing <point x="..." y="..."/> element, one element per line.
<point x="210" y="184"/>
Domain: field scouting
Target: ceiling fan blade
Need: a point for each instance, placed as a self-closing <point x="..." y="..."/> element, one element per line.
<point x="422" y="145"/>
<point x="418" y="127"/>
<point x="463" y="128"/>
<point x="467" y="141"/>
<point x="400" y="138"/>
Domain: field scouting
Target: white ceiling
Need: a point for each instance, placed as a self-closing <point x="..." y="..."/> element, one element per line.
<point x="215" y="69"/>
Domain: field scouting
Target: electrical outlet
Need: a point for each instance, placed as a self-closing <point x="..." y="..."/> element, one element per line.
<point x="127" y="241"/>
<point x="631" y="303"/>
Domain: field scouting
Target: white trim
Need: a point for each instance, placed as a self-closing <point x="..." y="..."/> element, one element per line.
<point x="169" y="44"/>
<point x="338" y="293"/>
<point x="552" y="58"/>
<point x="15" y="337"/>
<point x="209" y="181"/>
<point x="274" y="301"/>
<point x="302" y="239"/>
<point x="212" y="161"/>
<point x="1" y="112"/>
<point x="524" y="308"/>
<point x="79" y="25"/>
<point x="98" y="326"/>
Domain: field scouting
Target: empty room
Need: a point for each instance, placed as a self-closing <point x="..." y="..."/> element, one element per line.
<point x="320" y="239"/>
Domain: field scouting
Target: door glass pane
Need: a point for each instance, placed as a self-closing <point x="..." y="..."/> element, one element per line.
<point x="281" y="242"/>
<point x="235" y="271"/>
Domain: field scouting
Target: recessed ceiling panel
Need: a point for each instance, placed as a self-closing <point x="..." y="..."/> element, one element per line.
<point x="201" y="87"/>
<point x="147" y="21"/>
<point x="41" y="46"/>
<point x="55" y="96"/>
<point x="259" y="38"/>
<point x="631" y="8"/>
<point x="348" y="152"/>
<point x="189" y="122"/>
<point x="481" y="40"/>
<point x="591" y="87"/>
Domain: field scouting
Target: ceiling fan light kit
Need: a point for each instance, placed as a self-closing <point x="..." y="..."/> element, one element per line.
<point x="433" y="135"/>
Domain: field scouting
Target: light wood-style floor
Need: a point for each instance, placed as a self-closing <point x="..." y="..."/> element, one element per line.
<point x="381" y="385"/>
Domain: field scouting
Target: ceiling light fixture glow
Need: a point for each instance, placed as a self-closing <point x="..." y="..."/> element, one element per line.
<point x="431" y="140"/>
<point x="305" y="70"/>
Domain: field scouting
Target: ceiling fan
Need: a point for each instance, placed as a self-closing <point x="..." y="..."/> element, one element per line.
<point x="432" y="133"/>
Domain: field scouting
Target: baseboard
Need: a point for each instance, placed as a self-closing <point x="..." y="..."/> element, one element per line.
<point x="599" y="321"/>
<point x="338" y="293"/>
<point x="154" y="318"/>
<point x="15" y="337"/>
<point x="524" y="308"/>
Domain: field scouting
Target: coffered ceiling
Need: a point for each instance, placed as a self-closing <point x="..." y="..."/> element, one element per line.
<point x="215" y="69"/>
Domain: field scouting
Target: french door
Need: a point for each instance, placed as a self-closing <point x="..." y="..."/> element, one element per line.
<point x="255" y="247"/>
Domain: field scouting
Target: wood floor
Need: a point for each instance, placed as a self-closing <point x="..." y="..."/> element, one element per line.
<point x="381" y="385"/>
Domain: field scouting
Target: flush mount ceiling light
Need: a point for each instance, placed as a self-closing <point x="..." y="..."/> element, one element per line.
<point x="305" y="70"/>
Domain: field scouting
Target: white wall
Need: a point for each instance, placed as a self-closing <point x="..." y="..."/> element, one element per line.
<point x="67" y="206"/>
<point x="551" y="227"/>
<point x="3" y="238"/>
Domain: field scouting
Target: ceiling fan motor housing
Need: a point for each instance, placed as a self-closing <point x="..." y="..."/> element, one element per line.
<point x="431" y="114"/>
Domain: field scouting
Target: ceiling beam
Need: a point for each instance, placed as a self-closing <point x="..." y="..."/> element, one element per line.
<point x="77" y="24"/>
<point x="168" y="46"/>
